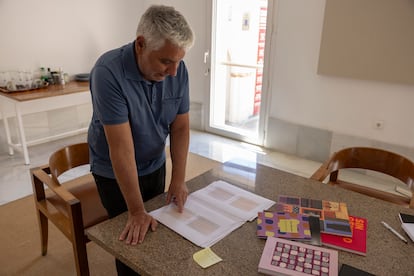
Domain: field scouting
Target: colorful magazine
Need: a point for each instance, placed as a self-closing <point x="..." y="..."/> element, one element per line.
<point x="333" y="215"/>
<point x="283" y="225"/>
<point x="357" y="244"/>
<point x="286" y="257"/>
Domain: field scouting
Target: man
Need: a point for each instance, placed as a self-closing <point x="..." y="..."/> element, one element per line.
<point x="140" y="95"/>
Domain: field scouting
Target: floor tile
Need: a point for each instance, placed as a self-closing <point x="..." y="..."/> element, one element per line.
<point x="15" y="179"/>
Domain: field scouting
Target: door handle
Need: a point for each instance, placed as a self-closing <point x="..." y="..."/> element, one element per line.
<point x="206" y="55"/>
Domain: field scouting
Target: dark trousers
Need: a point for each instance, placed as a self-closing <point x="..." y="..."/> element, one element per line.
<point x="150" y="186"/>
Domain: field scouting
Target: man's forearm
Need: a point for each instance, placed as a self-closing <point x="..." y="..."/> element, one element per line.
<point x="122" y="154"/>
<point x="127" y="178"/>
<point x="179" y="143"/>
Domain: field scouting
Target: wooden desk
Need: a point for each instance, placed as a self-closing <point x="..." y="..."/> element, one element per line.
<point x="52" y="97"/>
<point x="166" y="253"/>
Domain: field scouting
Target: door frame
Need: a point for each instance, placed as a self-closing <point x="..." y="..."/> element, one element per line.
<point x="209" y="56"/>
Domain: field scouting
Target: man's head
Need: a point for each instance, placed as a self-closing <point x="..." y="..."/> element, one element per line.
<point x="160" y="23"/>
<point x="163" y="37"/>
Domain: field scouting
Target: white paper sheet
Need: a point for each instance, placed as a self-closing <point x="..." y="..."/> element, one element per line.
<point x="212" y="213"/>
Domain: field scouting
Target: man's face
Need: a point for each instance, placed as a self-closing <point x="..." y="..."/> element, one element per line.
<point x="155" y="65"/>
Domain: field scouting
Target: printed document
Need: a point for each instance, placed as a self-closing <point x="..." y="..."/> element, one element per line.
<point x="212" y="213"/>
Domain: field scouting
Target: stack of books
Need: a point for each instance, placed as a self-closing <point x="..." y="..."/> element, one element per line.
<point x="292" y="215"/>
<point x="333" y="216"/>
<point x="290" y="222"/>
<point x="356" y="244"/>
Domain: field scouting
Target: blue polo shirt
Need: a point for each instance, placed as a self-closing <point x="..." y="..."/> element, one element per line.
<point x="120" y="94"/>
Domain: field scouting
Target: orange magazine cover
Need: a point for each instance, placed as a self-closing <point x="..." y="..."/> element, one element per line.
<point x="333" y="215"/>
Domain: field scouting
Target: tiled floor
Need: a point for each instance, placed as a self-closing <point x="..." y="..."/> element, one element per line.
<point x="15" y="179"/>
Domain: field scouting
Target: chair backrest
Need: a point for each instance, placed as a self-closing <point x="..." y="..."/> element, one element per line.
<point x="374" y="159"/>
<point x="68" y="158"/>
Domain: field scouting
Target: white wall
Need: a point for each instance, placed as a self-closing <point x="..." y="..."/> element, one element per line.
<point x="72" y="34"/>
<point x="68" y="34"/>
<point x="341" y="105"/>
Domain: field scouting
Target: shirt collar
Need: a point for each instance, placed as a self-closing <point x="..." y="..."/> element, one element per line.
<point x="130" y="64"/>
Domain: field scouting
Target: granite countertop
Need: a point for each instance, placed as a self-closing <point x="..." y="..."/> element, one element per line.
<point x="166" y="253"/>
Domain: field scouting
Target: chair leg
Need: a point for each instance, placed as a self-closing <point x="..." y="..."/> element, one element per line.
<point x="333" y="177"/>
<point x="81" y="256"/>
<point x="79" y="240"/>
<point x="44" y="232"/>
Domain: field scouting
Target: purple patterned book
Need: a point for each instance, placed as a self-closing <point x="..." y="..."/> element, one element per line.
<point x="283" y="225"/>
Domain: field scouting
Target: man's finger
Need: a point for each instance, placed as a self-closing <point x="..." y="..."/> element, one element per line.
<point x="154" y="224"/>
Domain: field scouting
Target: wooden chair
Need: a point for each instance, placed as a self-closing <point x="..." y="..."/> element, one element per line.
<point x="72" y="206"/>
<point x="378" y="160"/>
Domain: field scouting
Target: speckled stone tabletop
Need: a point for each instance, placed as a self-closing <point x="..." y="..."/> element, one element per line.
<point x="166" y="253"/>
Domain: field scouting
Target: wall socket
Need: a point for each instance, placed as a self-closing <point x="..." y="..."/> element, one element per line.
<point x="378" y="124"/>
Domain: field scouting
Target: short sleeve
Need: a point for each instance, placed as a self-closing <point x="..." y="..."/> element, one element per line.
<point x="108" y="100"/>
<point x="185" y="103"/>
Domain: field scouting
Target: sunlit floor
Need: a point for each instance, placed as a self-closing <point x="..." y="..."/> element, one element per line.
<point x="15" y="179"/>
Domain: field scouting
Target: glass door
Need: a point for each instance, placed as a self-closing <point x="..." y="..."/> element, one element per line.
<point x="237" y="61"/>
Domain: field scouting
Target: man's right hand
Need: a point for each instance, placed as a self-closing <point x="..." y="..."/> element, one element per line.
<point x="137" y="227"/>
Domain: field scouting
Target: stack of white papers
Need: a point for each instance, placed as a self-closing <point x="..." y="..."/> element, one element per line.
<point x="212" y="213"/>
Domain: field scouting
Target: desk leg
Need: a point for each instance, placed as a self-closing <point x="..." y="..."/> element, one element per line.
<point x="22" y="135"/>
<point x="7" y="129"/>
<point x="8" y="137"/>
